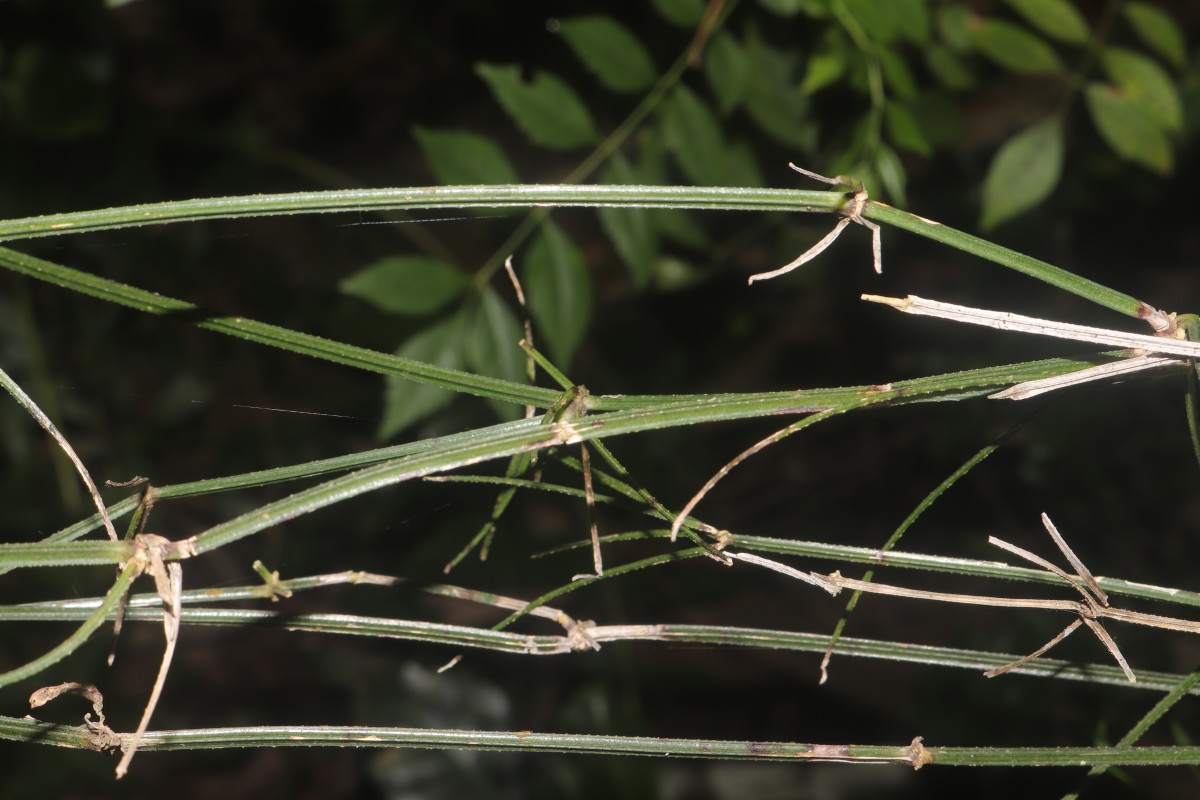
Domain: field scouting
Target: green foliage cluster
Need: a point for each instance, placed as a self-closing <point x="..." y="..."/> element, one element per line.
<point x="882" y="91"/>
<point x="896" y="76"/>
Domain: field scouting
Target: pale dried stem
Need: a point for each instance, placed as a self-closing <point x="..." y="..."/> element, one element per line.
<point x="34" y="411"/>
<point x="1007" y="321"/>
<point x="1126" y="366"/>
<point x="1076" y="564"/>
<point x="1064" y="633"/>
<point x="150" y="555"/>
<point x="851" y="212"/>
<point x="725" y="470"/>
<point x="783" y="569"/>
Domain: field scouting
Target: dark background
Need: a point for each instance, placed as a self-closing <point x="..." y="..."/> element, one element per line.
<point x="158" y="101"/>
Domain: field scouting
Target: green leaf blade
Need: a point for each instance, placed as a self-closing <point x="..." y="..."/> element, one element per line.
<point x="1013" y="47"/>
<point x="405" y="402"/>
<point x="772" y="99"/>
<point x="546" y="109"/>
<point x="1126" y="130"/>
<point x="682" y="13"/>
<point x="727" y="70"/>
<point x="610" y="52"/>
<point x="464" y="157"/>
<point x="412" y="286"/>
<point x="1157" y="29"/>
<point x="1058" y="19"/>
<point x="631" y="230"/>
<point x="1146" y="85"/>
<point x="559" y="292"/>
<point x="694" y="137"/>
<point x="492" y="345"/>
<point x="1023" y="173"/>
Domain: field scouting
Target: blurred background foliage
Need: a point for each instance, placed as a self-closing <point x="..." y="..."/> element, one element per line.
<point x="1066" y="130"/>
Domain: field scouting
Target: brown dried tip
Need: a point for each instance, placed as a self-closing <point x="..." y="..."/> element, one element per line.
<point x="1163" y="323"/>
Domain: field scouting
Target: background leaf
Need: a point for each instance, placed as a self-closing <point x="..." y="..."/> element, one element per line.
<point x="773" y="101"/>
<point x="954" y="25"/>
<point x="405" y="402"/>
<point x="407" y="285"/>
<point x="790" y="8"/>
<point x="950" y="70"/>
<point x="827" y="64"/>
<point x="904" y="131"/>
<point x="546" y="109"/>
<point x="694" y="137"/>
<point x="892" y="177"/>
<point x="1127" y="130"/>
<point x="610" y="52"/>
<point x="1058" y="19"/>
<point x="1146" y="85"/>
<point x="684" y="13"/>
<point x="492" y="347"/>
<point x="1023" y="173"/>
<point x="464" y="157"/>
<point x="727" y="70"/>
<point x="1013" y="47"/>
<point x="912" y="19"/>
<point x="1158" y="30"/>
<point x="879" y="20"/>
<point x="896" y="74"/>
<point x="630" y="230"/>
<point x="559" y="292"/>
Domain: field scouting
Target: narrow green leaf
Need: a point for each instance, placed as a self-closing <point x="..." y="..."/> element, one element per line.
<point x="824" y="67"/>
<point x="939" y="118"/>
<point x="1127" y="130"/>
<point x="892" y="175"/>
<point x="790" y="8"/>
<point x="547" y="110"/>
<point x="950" y="70"/>
<point x="912" y="18"/>
<point x="464" y="157"/>
<point x="630" y="230"/>
<point x="654" y="168"/>
<point x="1058" y="19"/>
<point x="1157" y="29"/>
<point x="684" y="13"/>
<point x="896" y="74"/>
<point x="954" y="23"/>
<point x="694" y="137"/>
<point x="773" y="101"/>
<point x="610" y="52"/>
<point x="1023" y="173"/>
<point x="878" y="20"/>
<point x="409" y="285"/>
<point x="903" y="130"/>
<point x="1146" y="85"/>
<point x="559" y="291"/>
<point x="405" y="402"/>
<point x="1013" y="47"/>
<point x="492" y="345"/>
<point x="727" y="71"/>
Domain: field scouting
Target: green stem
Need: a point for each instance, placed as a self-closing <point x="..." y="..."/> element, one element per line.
<point x="427" y="197"/>
<point x="262" y="333"/>
<point x="73" y="642"/>
<point x="1042" y="271"/>
<point x="510" y="196"/>
<point x="530" y="742"/>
